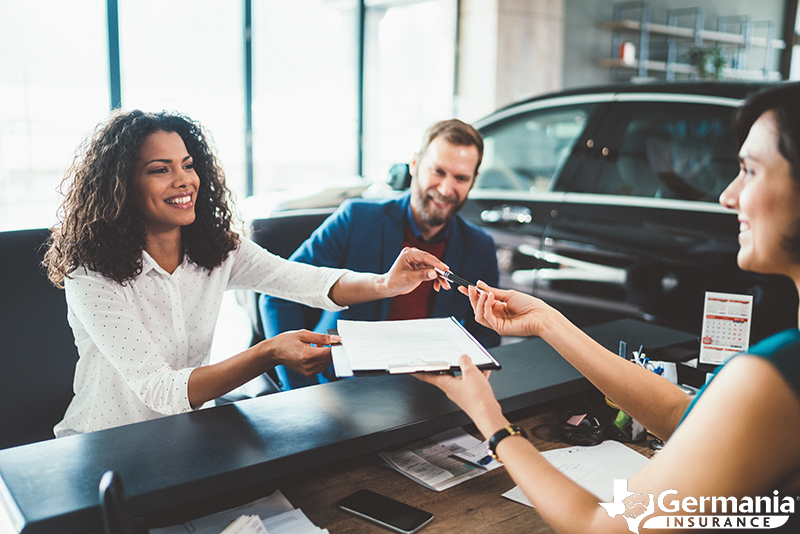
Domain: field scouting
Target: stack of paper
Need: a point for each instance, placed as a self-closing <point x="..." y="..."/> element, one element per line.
<point x="410" y="346"/>
<point x="592" y="468"/>
<point x="442" y="461"/>
<point x="246" y="524"/>
<point x="275" y="513"/>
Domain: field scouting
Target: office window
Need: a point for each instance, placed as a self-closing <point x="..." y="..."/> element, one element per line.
<point x="54" y="82"/>
<point x="305" y="98"/>
<point x="187" y="55"/>
<point x="409" y="77"/>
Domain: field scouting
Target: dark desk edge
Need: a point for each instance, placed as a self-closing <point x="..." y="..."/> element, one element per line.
<point x="51" y="486"/>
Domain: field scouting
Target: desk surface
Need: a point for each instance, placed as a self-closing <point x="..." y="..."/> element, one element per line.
<point x="205" y="456"/>
<point x="472" y="506"/>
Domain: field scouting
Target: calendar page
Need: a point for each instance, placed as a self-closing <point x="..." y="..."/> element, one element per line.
<point x="726" y="326"/>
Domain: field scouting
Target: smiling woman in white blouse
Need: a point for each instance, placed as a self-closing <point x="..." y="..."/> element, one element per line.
<point x="145" y="251"/>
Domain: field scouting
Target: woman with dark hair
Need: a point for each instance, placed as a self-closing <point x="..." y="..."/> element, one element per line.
<point x="145" y="251"/>
<point x="740" y="436"/>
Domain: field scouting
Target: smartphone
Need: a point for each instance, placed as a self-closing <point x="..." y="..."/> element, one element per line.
<point x="389" y="513"/>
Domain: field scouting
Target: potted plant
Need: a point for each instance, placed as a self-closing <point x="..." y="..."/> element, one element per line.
<point x="708" y="61"/>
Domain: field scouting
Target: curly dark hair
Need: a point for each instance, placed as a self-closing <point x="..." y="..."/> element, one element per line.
<point x="100" y="227"/>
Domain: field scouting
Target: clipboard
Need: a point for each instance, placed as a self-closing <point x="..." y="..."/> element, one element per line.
<point x="370" y="348"/>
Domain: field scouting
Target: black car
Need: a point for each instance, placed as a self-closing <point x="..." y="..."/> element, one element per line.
<point x="603" y="202"/>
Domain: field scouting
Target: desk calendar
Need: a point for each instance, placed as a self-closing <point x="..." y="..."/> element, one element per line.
<point x="726" y="326"/>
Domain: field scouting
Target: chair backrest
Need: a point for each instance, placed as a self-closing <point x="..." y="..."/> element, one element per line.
<point x="37" y="349"/>
<point x="282" y="234"/>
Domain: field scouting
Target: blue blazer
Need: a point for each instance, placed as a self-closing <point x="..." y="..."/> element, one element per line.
<point x="366" y="236"/>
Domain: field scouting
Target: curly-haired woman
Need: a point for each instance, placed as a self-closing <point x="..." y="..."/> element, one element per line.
<point x="145" y="251"/>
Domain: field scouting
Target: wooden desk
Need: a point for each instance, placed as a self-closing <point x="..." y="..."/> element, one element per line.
<point x="186" y="465"/>
<point x="472" y="506"/>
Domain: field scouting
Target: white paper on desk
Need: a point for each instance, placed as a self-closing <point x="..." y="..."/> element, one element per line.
<point x="214" y="524"/>
<point x="291" y="522"/>
<point x="416" y="465"/>
<point x="429" y="462"/>
<point x="246" y="524"/>
<point x="381" y="345"/>
<point x="592" y="468"/>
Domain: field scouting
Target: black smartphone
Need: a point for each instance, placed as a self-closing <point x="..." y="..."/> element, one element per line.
<point x="386" y="512"/>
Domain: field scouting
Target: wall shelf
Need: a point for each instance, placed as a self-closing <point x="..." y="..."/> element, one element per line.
<point x="691" y="34"/>
<point x="690" y="70"/>
<point x="741" y="47"/>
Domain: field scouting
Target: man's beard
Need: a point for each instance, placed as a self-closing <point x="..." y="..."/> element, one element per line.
<point x="422" y="202"/>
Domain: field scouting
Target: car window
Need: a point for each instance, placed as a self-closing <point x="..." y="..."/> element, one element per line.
<point x="524" y="153"/>
<point x="667" y="150"/>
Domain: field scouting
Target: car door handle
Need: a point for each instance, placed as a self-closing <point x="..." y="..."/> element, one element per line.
<point x="507" y="214"/>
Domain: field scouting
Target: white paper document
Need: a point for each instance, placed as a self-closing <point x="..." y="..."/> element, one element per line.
<point x="292" y="522"/>
<point x="443" y="460"/>
<point x="593" y="468"/>
<point x="246" y="524"/>
<point x="276" y="513"/>
<point x="405" y="346"/>
<point x="726" y="326"/>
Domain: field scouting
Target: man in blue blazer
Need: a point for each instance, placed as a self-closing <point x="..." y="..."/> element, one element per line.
<point x="367" y="235"/>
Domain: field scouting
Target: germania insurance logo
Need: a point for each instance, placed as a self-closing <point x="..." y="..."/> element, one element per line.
<point x="698" y="512"/>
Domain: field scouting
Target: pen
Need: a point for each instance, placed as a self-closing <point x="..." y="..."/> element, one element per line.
<point x="484" y="461"/>
<point x="450" y="277"/>
<point x="481" y="463"/>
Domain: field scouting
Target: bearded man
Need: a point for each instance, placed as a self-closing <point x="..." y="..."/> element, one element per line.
<point x="366" y="235"/>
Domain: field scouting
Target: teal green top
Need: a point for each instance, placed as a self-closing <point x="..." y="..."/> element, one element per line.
<point x="782" y="350"/>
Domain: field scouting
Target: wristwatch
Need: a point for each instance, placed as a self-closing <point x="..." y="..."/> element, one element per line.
<point x="500" y="435"/>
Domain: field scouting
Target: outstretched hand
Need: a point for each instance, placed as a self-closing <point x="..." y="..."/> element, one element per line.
<point x="302" y="351"/>
<point x="473" y="394"/>
<point x="411" y="268"/>
<point x="508" y="312"/>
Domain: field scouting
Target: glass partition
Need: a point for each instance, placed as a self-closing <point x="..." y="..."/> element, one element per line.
<point x="409" y="71"/>
<point x="187" y="55"/>
<point x="54" y="82"/>
<point x="305" y="96"/>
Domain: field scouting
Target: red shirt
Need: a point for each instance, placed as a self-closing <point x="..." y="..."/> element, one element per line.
<point x="419" y="303"/>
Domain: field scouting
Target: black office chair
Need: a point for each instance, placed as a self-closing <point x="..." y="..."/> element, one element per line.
<point x="281" y="234"/>
<point x="116" y="519"/>
<point x="37" y="349"/>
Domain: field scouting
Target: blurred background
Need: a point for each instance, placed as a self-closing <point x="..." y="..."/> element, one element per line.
<point x="305" y="95"/>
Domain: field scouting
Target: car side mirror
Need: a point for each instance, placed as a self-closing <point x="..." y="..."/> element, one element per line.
<point x="400" y="177"/>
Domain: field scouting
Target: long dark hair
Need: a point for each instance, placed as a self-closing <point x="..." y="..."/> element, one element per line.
<point x="99" y="226"/>
<point x="783" y="101"/>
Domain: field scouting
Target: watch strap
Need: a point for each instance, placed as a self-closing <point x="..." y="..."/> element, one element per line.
<point x="500" y="435"/>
